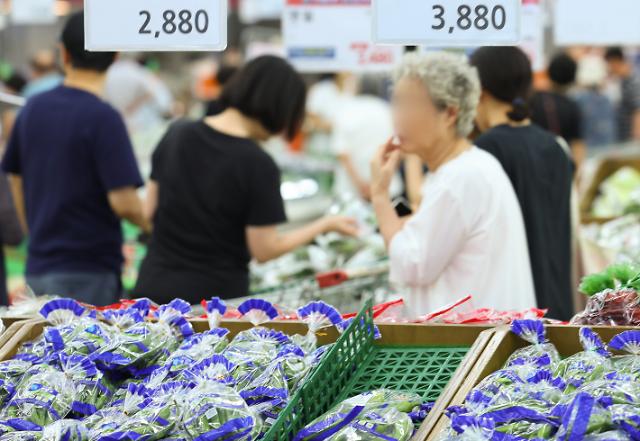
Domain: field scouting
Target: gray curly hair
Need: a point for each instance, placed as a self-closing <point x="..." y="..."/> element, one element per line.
<point x="450" y="80"/>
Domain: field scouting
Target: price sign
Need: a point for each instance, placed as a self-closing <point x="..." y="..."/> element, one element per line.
<point x="334" y="35"/>
<point x="155" y="25"/>
<point x="447" y="22"/>
<point x="33" y="12"/>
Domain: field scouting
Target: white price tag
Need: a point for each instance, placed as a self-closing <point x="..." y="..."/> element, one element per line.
<point x="333" y="36"/>
<point x="447" y="22"/>
<point x="156" y="25"/>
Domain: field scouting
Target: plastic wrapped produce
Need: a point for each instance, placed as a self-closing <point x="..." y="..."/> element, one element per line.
<point x="145" y="346"/>
<point x="11" y="371"/>
<point x="614" y="298"/>
<point x="217" y="412"/>
<point x="43" y="396"/>
<point x="628" y="342"/>
<point x="585" y="366"/>
<point x="369" y="416"/>
<point x="317" y="315"/>
<point x="215" y="308"/>
<point x="65" y="430"/>
<point x="541" y="352"/>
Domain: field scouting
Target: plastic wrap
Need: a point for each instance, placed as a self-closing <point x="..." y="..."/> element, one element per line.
<point x="145" y="346"/>
<point x="318" y="315"/>
<point x="218" y="412"/>
<point x="628" y="342"/>
<point x="66" y="430"/>
<point x="215" y="308"/>
<point x="44" y="395"/>
<point x="369" y="416"/>
<point x="588" y="365"/>
<point x="541" y="352"/>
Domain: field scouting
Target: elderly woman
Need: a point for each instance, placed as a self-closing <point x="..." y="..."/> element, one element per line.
<point x="467" y="236"/>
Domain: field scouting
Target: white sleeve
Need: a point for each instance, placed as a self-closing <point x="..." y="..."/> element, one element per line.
<point x="340" y="136"/>
<point x="429" y="241"/>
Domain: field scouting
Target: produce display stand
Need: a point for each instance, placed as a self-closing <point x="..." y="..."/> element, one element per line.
<point x="343" y="290"/>
<point x="431" y="360"/>
<point x="12" y="326"/>
<point x="499" y="349"/>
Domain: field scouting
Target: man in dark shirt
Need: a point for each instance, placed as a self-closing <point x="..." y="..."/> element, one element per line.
<point x="74" y="176"/>
<point x="555" y="111"/>
<point x="629" y="107"/>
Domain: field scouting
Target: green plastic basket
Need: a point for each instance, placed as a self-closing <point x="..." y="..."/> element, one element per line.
<point x="355" y="365"/>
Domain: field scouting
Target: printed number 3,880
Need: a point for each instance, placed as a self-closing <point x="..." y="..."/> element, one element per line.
<point x="469" y="17"/>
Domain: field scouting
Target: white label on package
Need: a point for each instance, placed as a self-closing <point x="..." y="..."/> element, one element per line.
<point x="334" y="35"/>
<point x="156" y="25"/>
<point x="447" y="22"/>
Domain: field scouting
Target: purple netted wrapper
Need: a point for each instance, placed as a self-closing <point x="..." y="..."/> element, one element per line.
<point x="258" y="311"/>
<point x="62" y="311"/>
<point x="216" y="308"/>
<point x="628" y="341"/>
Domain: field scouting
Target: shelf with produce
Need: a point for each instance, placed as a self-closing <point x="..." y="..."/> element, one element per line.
<point x="95" y="343"/>
<point x="584" y="365"/>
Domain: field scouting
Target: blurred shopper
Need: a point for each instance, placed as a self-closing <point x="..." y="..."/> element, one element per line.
<point x="362" y="124"/>
<point x="324" y="101"/>
<point x="467" y="236"/>
<point x="214" y="193"/>
<point x="556" y="111"/>
<point x="140" y="96"/>
<point x="45" y="74"/>
<point x="598" y="113"/>
<point x="11" y="233"/>
<point x="225" y="73"/>
<point x="73" y="177"/>
<point x="629" y="107"/>
<point x="539" y="168"/>
<point x="14" y="84"/>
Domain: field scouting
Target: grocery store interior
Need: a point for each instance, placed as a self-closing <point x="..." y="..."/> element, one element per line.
<point x="311" y="220"/>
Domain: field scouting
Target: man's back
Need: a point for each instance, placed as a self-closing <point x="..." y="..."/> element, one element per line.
<point x="71" y="149"/>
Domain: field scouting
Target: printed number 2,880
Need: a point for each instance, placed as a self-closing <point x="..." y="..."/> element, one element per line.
<point x="183" y="21"/>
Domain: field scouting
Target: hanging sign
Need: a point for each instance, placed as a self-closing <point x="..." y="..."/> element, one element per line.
<point x="334" y="35"/>
<point x="447" y="22"/>
<point x="156" y="25"/>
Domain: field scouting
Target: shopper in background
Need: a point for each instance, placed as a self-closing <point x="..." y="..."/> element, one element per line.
<point x="629" y="107"/>
<point x="74" y="176"/>
<point x="556" y="111"/>
<point x="214" y="193"/>
<point x="324" y="101"/>
<point x="362" y="124"/>
<point x="540" y="170"/>
<point x="598" y="113"/>
<point x="45" y="74"/>
<point x="225" y="73"/>
<point x="139" y="95"/>
<point x="11" y="233"/>
<point x="14" y="84"/>
<point x="467" y="236"/>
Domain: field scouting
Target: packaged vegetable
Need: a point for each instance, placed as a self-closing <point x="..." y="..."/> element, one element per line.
<point x="541" y="352"/>
<point x="585" y="366"/>
<point x="369" y="416"/>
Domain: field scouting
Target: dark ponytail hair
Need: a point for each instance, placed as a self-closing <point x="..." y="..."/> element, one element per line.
<point x="506" y="74"/>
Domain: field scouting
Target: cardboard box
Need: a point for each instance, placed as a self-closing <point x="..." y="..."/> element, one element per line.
<point x="606" y="167"/>
<point x="500" y="348"/>
<point x="475" y="337"/>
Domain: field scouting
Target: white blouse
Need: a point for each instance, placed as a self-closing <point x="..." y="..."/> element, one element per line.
<point x="467" y="238"/>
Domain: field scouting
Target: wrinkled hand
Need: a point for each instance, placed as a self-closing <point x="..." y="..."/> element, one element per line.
<point x="344" y="225"/>
<point x="383" y="167"/>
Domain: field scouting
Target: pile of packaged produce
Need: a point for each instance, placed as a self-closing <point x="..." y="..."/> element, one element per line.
<point x="619" y="194"/>
<point x="127" y="375"/>
<point x="591" y="395"/>
<point x="330" y="251"/>
<point x="619" y="239"/>
<point x="614" y="297"/>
